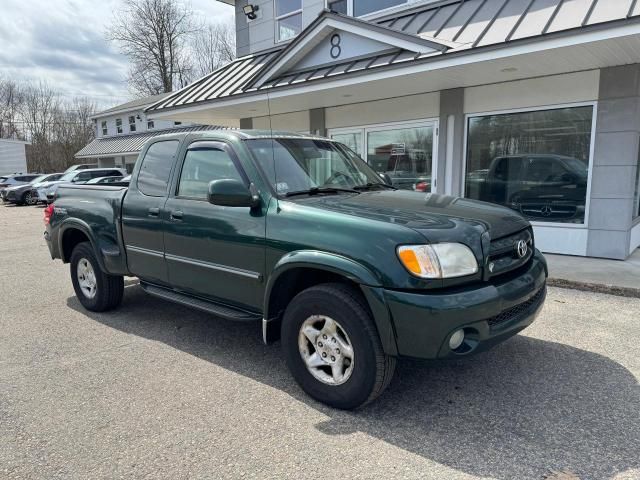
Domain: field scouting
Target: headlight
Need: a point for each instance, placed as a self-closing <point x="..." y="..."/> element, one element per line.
<point x="440" y="260"/>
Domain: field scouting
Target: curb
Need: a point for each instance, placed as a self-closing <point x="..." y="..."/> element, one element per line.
<point x="594" y="287"/>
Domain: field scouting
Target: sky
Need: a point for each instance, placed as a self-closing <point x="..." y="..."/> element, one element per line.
<point x="63" y="42"/>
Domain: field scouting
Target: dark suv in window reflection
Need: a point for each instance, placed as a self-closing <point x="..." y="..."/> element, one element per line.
<point x="406" y="170"/>
<point x="540" y="186"/>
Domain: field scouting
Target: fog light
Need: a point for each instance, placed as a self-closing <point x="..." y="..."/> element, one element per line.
<point x="456" y="339"/>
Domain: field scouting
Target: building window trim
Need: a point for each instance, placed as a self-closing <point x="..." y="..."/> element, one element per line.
<point x="104" y="127"/>
<point x="540" y="108"/>
<point x="384" y="11"/>
<point x="119" y="126"/>
<point x="284" y="16"/>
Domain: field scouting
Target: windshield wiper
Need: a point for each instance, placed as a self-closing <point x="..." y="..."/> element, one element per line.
<point x="317" y="190"/>
<point x="370" y="185"/>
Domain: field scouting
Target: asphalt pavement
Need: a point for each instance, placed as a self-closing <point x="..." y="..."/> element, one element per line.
<point x="154" y="390"/>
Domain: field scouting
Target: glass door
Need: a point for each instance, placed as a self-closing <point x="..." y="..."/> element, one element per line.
<point x="406" y="153"/>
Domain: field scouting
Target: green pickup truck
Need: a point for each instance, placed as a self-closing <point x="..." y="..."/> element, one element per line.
<point x="299" y="233"/>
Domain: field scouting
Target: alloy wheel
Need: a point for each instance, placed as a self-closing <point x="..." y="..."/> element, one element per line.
<point x="326" y="350"/>
<point x="86" y="278"/>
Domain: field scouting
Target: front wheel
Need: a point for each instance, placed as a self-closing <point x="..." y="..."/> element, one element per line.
<point x="332" y="347"/>
<point x="96" y="290"/>
<point x="29" y="199"/>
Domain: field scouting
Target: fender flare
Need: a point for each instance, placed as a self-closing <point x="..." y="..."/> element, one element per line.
<point x="77" y="224"/>
<point x="368" y="281"/>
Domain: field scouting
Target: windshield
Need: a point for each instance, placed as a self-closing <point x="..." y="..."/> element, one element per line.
<point x="302" y="164"/>
<point x="38" y="179"/>
<point x="67" y="177"/>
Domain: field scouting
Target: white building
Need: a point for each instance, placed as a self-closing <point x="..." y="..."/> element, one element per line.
<point x="533" y="104"/>
<point x="121" y="132"/>
<point x="13" y="157"/>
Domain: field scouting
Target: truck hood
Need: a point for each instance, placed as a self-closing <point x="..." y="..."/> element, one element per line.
<point x="433" y="215"/>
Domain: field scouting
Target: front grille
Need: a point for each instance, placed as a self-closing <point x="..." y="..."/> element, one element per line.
<point x="503" y="252"/>
<point x="516" y="311"/>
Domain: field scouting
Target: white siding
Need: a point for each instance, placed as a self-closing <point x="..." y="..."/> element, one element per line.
<point x="533" y="92"/>
<point x="293" y="122"/>
<point x="262" y="30"/>
<point x="141" y="124"/>
<point x="412" y="107"/>
<point x="13" y="158"/>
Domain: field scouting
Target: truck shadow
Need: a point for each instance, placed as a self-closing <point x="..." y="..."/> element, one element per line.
<point x="522" y="410"/>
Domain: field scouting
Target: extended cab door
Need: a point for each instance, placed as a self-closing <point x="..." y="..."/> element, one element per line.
<point x="213" y="251"/>
<point x="143" y="214"/>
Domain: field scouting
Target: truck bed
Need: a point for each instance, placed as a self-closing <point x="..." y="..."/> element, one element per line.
<point x="96" y="210"/>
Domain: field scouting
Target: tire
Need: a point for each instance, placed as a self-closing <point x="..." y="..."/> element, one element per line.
<point x="368" y="372"/>
<point x="27" y="199"/>
<point x="108" y="289"/>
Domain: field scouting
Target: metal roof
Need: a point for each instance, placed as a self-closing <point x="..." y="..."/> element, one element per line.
<point x="224" y="82"/>
<point x="130" y="144"/>
<point x="461" y="24"/>
<point x="137" y="104"/>
<point x="488" y="22"/>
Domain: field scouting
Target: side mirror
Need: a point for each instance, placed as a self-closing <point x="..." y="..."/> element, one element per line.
<point x="386" y="178"/>
<point x="232" y="193"/>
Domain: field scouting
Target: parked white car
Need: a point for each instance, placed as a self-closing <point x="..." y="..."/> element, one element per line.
<point x="78" y="177"/>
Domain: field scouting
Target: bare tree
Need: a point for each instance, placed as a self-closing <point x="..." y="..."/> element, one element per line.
<point x="38" y="113"/>
<point x="213" y="46"/>
<point x="153" y="34"/>
<point x="10" y="102"/>
<point x="56" y="129"/>
<point x="73" y="128"/>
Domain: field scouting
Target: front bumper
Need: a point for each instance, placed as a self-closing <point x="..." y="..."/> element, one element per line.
<point x="9" y="197"/>
<point x="40" y="194"/>
<point x="489" y="313"/>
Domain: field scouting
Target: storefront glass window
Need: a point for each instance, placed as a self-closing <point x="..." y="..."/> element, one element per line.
<point x="404" y="154"/>
<point x="352" y="140"/>
<point x="536" y="163"/>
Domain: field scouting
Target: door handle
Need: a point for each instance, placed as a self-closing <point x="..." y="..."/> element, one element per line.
<point x="154" y="212"/>
<point x="176" y="215"/>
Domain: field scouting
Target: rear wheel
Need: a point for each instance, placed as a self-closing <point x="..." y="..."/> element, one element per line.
<point x="332" y="347"/>
<point x="96" y="290"/>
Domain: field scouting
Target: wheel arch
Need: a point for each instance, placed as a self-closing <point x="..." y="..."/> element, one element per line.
<point x="73" y="232"/>
<point x="300" y="270"/>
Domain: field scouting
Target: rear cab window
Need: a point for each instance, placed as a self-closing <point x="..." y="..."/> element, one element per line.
<point x="153" y="177"/>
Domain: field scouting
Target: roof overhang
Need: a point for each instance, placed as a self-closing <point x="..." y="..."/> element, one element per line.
<point x="589" y="48"/>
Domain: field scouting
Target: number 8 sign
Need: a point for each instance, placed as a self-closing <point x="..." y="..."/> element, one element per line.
<point x="336" y="50"/>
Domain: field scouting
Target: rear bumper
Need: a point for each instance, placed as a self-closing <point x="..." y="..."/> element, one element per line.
<point x="488" y="313"/>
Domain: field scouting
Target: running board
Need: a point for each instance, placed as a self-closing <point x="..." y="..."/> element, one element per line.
<point x="224" y="311"/>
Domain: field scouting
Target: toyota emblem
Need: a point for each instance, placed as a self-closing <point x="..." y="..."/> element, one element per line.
<point x="522" y="248"/>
